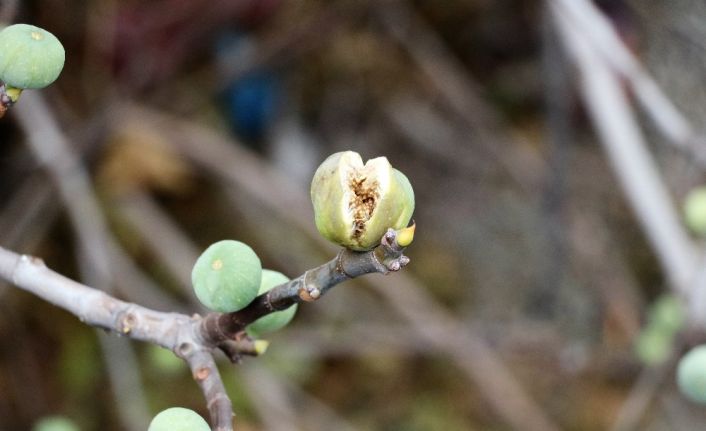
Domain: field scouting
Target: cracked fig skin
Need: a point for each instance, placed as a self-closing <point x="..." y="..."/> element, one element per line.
<point x="355" y="203"/>
<point x="30" y="57"/>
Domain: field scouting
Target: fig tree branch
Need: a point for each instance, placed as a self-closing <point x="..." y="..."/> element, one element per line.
<point x="193" y="338"/>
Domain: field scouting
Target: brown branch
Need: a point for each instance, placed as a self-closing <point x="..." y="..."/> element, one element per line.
<point x="193" y="338"/>
<point x="308" y="287"/>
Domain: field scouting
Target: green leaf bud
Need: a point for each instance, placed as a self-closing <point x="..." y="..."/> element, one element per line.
<point x="226" y="277"/>
<point x="178" y="419"/>
<point x="355" y="203"/>
<point x="30" y="57"/>
<point x="278" y="319"/>
<point x="691" y="374"/>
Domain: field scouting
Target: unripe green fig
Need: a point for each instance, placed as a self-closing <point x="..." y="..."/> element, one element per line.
<point x="226" y="277"/>
<point x="653" y="346"/>
<point x="695" y="210"/>
<point x="691" y="374"/>
<point x="30" y="57"/>
<point x="55" y="423"/>
<point x="355" y="203"/>
<point x="667" y="313"/>
<point x="178" y="419"/>
<point x="278" y="319"/>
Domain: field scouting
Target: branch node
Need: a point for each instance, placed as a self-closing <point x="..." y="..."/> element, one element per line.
<point x="126" y="323"/>
<point x="339" y="264"/>
<point x="184" y="350"/>
<point x="309" y="293"/>
<point x="202" y="374"/>
<point x="404" y="261"/>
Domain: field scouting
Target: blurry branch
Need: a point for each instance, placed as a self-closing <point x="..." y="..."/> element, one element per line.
<point x="193" y="338"/>
<point x="270" y="400"/>
<point x="648" y="384"/>
<point x="50" y="146"/>
<point x="425" y="128"/>
<point x="161" y="235"/>
<point x="8" y="10"/>
<point x="446" y="73"/>
<point x="597" y="29"/>
<point x="474" y="357"/>
<point x="29" y="210"/>
<point x="624" y="144"/>
<point x="309" y="412"/>
<point x="602" y="60"/>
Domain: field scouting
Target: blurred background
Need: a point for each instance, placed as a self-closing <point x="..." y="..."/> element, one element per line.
<point x="176" y="124"/>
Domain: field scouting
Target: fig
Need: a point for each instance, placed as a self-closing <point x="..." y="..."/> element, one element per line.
<point x="226" y="277"/>
<point x="275" y="320"/>
<point x="30" y="57"/>
<point x="355" y="203"/>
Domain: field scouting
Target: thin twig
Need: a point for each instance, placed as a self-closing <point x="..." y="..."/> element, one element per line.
<point x="445" y="72"/>
<point x="650" y="381"/>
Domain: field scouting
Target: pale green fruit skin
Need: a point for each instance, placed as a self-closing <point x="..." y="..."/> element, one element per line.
<point x="27" y="61"/>
<point x="667" y="313"/>
<point x="273" y="321"/>
<point x="691" y="374"/>
<point x="695" y="210"/>
<point x="653" y="346"/>
<point x="178" y="419"/>
<point x="328" y="195"/>
<point x="55" y="423"/>
<point x="230" y="285"/>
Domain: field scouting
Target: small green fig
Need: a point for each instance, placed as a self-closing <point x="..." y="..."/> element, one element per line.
<point x="653" y="346"/>
<point x="55" y="423"/>
<point x="278" y="319"/>
<point x="178" y="419"/>
<point x="691" y="374"/>
<point x="30" y="57"/>
<point x="226" y="277"/>
<point x="667" y="313"/>
<point x="355" y="203"/>
<point x="695" y="210"/>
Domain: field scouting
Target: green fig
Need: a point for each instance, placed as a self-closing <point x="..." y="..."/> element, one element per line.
<point x="667" y="313"/>
<point x="695" y="210"/>
<point x="278" y="319"/>
<point x="653" y="346"/>
<point x="355" y="203"/>
<point x="55" y="423"/>
<point x="226" y="277"/>
<point x="30" y="57"/>
<point x="178" y="419"/>
<point x="691" y="374"/>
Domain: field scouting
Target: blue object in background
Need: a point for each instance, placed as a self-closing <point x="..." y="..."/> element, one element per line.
<point x="252" y="103"/>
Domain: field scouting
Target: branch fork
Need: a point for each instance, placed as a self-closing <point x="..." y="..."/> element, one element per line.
<point x="194" y="338"/>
